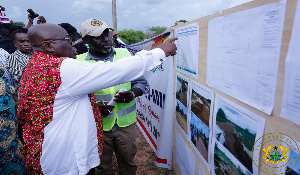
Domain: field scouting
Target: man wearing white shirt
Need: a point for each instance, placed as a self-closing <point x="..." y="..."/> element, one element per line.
<point x="57" y="114"/>
<point x="119" y="120"/>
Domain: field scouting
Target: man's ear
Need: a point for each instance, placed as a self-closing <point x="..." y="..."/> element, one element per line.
<point x="47" y="46"/>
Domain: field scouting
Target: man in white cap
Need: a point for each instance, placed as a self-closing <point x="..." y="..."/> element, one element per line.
<point x="119" y="120"/>
<point x="62" y="126"/>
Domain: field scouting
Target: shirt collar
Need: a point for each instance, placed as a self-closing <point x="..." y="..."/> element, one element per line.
<point x="19" y="53"/>
<point x="109" y="57"/>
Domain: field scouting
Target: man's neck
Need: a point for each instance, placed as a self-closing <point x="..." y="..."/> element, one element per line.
<point x="102" y="56"/>
<point x="26" y="53"/>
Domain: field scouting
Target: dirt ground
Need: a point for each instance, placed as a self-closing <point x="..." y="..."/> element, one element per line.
<point x="182" y="121"/>
<point x="145" y="158"/>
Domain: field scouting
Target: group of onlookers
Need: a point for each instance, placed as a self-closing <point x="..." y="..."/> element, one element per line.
<point x="15" y="51"/>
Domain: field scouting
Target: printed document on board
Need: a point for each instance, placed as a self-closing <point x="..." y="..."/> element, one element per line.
<point x="187" y="53"/>
<point x="291" y="95"/>
<point x="243" y="54"/>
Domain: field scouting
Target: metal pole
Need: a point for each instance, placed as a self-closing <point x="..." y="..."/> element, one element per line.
<point x="114" y="15"/>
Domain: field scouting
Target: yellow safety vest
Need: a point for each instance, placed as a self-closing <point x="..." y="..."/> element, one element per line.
<point x="125" y="113"/>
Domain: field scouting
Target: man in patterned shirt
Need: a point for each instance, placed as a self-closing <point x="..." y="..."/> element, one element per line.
<point x="17" y="61"/>
<point x="62" y="126"/>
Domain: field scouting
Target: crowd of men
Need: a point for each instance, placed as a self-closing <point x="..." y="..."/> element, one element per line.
<point x="62" y="83"/>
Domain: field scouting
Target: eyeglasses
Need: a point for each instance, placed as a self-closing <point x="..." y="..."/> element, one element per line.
<point x="67" y="39"/>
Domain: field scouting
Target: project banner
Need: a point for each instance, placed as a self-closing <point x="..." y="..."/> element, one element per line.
<point x="155" y="109"/>
<point x="147" y="44"/>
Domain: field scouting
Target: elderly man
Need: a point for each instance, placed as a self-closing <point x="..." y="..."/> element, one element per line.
<point x="57" y="114"/>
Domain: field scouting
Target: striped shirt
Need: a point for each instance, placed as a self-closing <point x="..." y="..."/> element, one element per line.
<point x="3" y="56"/>
<point x="15" y="65"/>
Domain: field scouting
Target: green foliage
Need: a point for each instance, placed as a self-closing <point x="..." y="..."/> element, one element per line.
<point x="151" y="165"/>
<point x="167" y="172"/>
<point x="154" y="31"/>
<point x="124" y="40"/>
<point x="222" y="160"/>
<point x="247" y="138"/>
<point x="131" y="36"/>
<point x="221" y="117"/>
<point x="208" y="101"/>
<point x="182" y="20"/>
<point x="18" y="23"/>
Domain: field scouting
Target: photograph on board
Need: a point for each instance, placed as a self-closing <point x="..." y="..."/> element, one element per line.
<point x="199" y="135"/>
<point x="294" y="169"/>
<point x="226" y="163"/>
<point x="182" y="88"/>
<point x="200" y="106"/>
<point x="181" y="115"/>
<point x="237" y="129"/>
<point x="201" y="99"/>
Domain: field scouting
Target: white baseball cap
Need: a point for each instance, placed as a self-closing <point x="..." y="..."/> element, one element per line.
<point x="93" y="27"/>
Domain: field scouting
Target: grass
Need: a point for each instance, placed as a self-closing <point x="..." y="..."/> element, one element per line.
<point x="151" y="165"/>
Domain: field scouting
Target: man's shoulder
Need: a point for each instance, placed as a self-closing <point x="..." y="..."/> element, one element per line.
<point x="15" y="54"/>
<point x="122" y="51"/>
<point x="3" y="51"/>
<point x="81" y="56"/>
<point x="3" y="54"/>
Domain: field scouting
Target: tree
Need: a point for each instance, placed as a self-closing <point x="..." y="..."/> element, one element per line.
<point x="221" y="116"/>
<point x="182" y="20"/>
<point x="18" y="23"/>
<point x="154" y="31"/>
<point x="131" y="36"/>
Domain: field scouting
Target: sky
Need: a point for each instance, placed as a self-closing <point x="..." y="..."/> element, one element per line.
<point x="199" y="124"/>
<point x="131" y="14"/>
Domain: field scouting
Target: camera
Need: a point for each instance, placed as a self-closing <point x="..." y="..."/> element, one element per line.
<point x="32" y="13"/>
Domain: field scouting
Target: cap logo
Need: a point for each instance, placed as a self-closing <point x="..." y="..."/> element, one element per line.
<point x="96" y="22"/>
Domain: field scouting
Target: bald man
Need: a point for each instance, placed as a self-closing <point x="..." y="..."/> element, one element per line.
<point x="62" y="127"/>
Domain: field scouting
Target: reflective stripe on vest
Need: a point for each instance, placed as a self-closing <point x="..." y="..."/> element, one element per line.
<point x="123" y="112"/>
<point x="126" y="111"/>
<point x="103" y="97"/>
